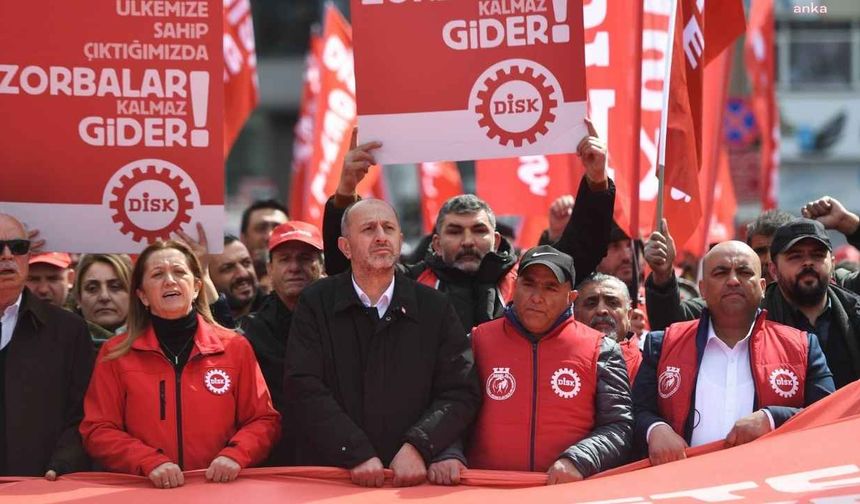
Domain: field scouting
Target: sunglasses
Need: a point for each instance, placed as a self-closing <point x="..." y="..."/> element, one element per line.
<point x="17" y="246"/>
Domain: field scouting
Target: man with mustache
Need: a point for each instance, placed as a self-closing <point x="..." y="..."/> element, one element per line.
<point x="604" y="304"/>
<point x="731" y="374"/>
<point x="556" y="399"/>
<point x="295" y="262"/>
<point x="379" y="370"/>
<point x="470" y="261"/>
<point x="233" y="274"/>
<point x="46" y="358"/>
<point x="802" y="295"/>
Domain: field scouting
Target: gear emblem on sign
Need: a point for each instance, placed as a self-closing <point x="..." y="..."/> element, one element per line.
<point x="490" y="107"/>
<point x="150" y="199"/>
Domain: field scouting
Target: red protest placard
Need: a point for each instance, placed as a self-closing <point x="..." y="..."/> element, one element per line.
<point x="448" y="80"/>
<point x="113" y="120"/>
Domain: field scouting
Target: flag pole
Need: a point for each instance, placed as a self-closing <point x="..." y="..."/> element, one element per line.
<point x="664" y="115"/>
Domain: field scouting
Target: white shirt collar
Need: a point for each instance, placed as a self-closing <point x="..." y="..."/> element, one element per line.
<point x="383" y="302"/>
<point x="712" y="335"/>
<point x="8" y="320"/>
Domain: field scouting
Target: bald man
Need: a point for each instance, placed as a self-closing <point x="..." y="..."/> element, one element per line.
<point x="379" y="370"/>
<point x="729" y="375"/>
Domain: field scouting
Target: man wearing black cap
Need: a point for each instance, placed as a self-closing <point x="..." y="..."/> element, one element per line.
<point x="556" y="396"/>
<point x="802" y="297"/>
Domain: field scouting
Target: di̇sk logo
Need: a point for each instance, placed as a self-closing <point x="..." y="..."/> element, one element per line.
<point x="150" y="199"/>
<point x="501" y="384"/>
<point x="217" y="381"/>
<point x="669" y="382"/>
<point x="515" y="101"/>
<point x="565" y="383"/>
<point x="784" y="382"/>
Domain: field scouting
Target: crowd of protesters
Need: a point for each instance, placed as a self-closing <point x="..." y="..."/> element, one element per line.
<point x="305" y="346"/>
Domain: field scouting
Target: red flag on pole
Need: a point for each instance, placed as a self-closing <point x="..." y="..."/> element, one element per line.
<point x="241" y="84"/>
<point x="760" y="59"/>
<point x="439" y="182"/>
<point x="304" y="130"/>
<point x="334" y="117"/>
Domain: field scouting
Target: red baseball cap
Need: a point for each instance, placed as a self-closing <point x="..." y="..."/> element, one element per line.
<point x="296" y="231"/>
<point x="58" y="259"/>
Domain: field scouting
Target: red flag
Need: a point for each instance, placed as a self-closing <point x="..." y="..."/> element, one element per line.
<point x="525" y="186"/>
<point x="304" y="130"/>
<point x="241" y="84"/>
<point x="613" y="96"/>
<point x="334" y="117"/>
<point x="715" y="91"/>
<point x="439" y="182"/>
<point x="761" y="63"/>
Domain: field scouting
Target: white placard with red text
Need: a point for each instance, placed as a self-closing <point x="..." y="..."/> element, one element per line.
<point x="112" y="120"/>
<point x="458" y="80"/>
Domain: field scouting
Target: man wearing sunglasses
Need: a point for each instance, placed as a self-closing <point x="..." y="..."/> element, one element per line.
<point x="46" y="358"/>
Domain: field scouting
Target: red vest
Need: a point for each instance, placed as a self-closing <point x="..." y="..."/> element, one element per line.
<point x="632" y="356"/>
<point x="505" y="285"/>
<point x="536" y="403"/>
<point x="778" y="357"/>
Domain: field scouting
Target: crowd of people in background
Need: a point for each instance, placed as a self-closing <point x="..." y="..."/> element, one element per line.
<point x="305" y="346"/>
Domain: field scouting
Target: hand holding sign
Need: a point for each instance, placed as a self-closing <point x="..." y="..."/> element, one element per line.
<point x="592" y="151"/>
<point x="355" y="165"/>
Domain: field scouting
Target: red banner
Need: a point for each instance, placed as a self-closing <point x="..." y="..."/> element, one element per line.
<point x="304" y="131"/>
<point x="473" y="80"/>
<point x="112" y="132"/>
<point x="439" y="182"/>
<point x="760" y="59"/>
<point x="812" y="458"/>
<point x="241" y="84"/>
<point x="334" y="117"/>
<point x="527" y="185"/>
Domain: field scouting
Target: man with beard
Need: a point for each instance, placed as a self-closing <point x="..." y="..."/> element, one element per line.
<point x="731" y="374"/>
<point x="233" y="274"/>
<point x="604" y="304"/>
<point x="470" y="261"/>
<point x="802" y="295"/>
<point x="379" y="370"/>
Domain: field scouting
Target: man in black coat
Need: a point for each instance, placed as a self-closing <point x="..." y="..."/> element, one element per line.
<point x="470" y="259"/>
<point x="46" y="358"/>
<point x="379" y="370"/>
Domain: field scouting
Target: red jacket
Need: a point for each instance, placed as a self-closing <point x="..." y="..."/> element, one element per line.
<point x="778" y="361"/>
<point x="538" y="397"/>
<point x="131" y="420"/>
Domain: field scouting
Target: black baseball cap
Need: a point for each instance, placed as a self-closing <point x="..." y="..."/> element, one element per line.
<point x="801" y="229"/>
<point x="557" y="261"/>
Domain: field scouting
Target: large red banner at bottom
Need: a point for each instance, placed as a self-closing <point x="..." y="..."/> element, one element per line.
<point x="812" y="458"/>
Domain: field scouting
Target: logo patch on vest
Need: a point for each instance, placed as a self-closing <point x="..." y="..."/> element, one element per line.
<point x="217" y="381"/>
<point x="501" y="384"/>
<point x="565" y="383"/>
<point x="669" y="382"/>
<point x="784" y="382"/>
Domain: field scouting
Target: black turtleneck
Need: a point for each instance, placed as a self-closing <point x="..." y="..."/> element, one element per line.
<point x="176" y="337"/>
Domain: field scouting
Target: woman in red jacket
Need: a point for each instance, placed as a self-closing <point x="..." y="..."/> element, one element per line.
<point x="177" y="391"/>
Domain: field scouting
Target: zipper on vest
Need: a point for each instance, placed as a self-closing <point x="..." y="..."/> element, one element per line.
<point x="162" y="402"/>
<point x="534" y="406"/>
